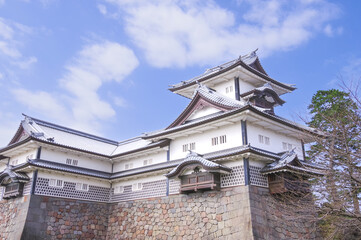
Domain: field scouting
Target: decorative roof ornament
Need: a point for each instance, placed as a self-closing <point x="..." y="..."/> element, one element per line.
<point x="194" y="159"/>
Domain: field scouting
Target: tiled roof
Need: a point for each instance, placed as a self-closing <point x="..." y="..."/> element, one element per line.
<point x="16" y="176"/>
<point x="67" y="168"/>
<point x="68" y="137"/>
<point x="289" y="160"/>
<point x="194" y="158"/>
<point x="215" y="97"/>
<point x="247" y="60"/>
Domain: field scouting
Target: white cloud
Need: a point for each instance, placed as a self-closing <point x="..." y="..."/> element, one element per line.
<point x="9" y="125"/>
<point x="176" y="33"/>
<point x="331" y="31"/>
<point x="10" y="40"/>
<point x="102" y="9"/>
<point x="80" y="106"/>
<point x="25" y="64"/>
<point x="352" y="72"/>
<point x="40" y="101"/>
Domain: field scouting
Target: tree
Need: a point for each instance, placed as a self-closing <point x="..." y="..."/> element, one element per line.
<point x="337" y="114"/>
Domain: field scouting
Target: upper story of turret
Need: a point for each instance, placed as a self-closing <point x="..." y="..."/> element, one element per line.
<point x="242" y="78"/>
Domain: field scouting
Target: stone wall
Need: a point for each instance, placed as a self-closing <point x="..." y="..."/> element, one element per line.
<point x="13" y="213"/>
<point x="58" y="218"/>
<point x="279" y="218"/>
<point x="209" y="215"/>
<point x="242" y="212"/>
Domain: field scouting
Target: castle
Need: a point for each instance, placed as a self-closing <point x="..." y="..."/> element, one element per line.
<point x="209" y="175"/>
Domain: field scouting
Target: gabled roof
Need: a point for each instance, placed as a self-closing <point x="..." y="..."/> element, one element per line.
<point x="32" y="129"/>
<point x="202" y="97"/>
<point x="250" y="62"/>
<point x="266" y="89"/>
<point x="195" y="159"/>
<point x="290" y="162"/>
<point x="220" y="115"/>
<point x="8" y="173"/>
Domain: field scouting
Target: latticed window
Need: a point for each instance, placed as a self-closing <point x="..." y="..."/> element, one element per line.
<point x="147" y="162"/>
<point x="222" y="139"/>
<point x="56" y="183"/>
<point x="128" y="166"/>
<point x="137" y="186"/>
<point x="82" y="186"/>
<point x="214" y="141"/>
<point x="118" y="189"/>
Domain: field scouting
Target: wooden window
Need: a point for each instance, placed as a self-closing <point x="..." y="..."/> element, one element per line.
<point x="71" y="161"/>
<point x="147" y="162"/>
<point x="189" y="146"/>
<point x="264" y="139"/>
<point x="56" y="183"/>
<point x="214" y="141"/>
<point x="222" y="139"/>
<point x="185" y="147"/>
<point x="137" y="186"/>
<point x="286" y="146"/>
<point x="192" y="146"/>
<point x="118" y="189"/>
<point x="82" y="186"/>
<point x="128" y="166"/>
<point x="229" y="89"/>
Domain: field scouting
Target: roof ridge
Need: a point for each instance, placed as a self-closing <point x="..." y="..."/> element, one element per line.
<point x="72" y="131"/>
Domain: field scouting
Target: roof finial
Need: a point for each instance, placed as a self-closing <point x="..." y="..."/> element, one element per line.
<point x="254" y="53"/>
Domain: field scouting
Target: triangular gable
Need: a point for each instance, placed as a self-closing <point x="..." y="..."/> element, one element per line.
<point x="257" y="65"/>
<point x="20" y="134"/>
<point x="198" y="103"/>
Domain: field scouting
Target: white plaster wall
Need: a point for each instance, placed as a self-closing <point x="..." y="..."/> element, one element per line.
<point x="139" y="180"/>
<point x="138" y="162"/>
<point x="256" y="163"/>
<point x="83" y="161"/>
<point x="238" y="162"/>
<point x="204" y="141"/>
<point x="276" y="140"/>
<point x="23" y="156"/>
<point x="203" y="112"/>
<point x="221" y="88"/>
<point x="245" y="86"/>
<point x="74" y="179"/>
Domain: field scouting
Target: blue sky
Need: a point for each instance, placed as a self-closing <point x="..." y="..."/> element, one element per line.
<point x="104" y="66"/>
